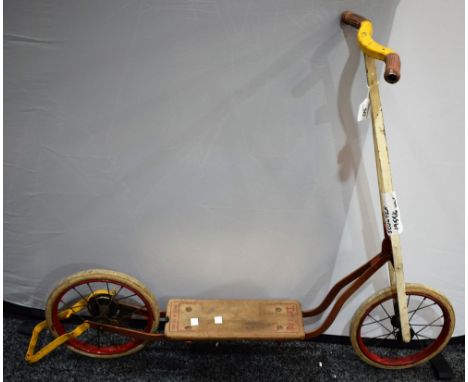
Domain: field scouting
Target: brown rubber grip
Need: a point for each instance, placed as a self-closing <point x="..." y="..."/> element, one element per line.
<point x="392" y="68"/>
<point x="352" y="19"/>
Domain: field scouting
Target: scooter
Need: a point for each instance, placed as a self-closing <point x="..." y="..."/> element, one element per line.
<point x="106" y="314"/>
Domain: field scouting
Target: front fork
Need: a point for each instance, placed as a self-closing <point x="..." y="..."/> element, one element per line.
<point x="397" y="282"/>
<point x="384" y="177"/>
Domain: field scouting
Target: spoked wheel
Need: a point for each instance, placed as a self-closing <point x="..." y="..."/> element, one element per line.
<point x="106" y="297"/>
<point x="375" y="328"/>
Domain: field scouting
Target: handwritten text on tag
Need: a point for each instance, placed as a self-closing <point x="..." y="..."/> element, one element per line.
<point x="391" y="214"/>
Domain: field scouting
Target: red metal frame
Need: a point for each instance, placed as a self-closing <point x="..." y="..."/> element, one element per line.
<point x="353" y="282"/>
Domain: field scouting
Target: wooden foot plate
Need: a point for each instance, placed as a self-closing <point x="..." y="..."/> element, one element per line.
<point x="234" y="319"/>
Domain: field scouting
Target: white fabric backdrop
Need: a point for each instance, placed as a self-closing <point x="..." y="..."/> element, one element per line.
<point x="208" y="147"/>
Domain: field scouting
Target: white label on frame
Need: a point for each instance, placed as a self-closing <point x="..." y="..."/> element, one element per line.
<point x="194" y="321"/>
<point x="391" y="214"/>
<point x="218" y="320"/>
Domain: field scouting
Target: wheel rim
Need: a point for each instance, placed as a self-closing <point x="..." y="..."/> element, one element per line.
<point x="118" y="304"/>
<point x="379" y="336"/>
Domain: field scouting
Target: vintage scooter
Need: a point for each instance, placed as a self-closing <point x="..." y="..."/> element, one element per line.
<point x="106" y="314"/>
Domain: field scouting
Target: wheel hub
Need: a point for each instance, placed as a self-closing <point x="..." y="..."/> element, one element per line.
<point x="395" y="321"/>
<point x="102" y="308"/>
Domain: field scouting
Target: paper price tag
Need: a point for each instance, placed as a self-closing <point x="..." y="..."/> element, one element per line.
<point x="391" y="214"/>
<point x="364" y="109"/>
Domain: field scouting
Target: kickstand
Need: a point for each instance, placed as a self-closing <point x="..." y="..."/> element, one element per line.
<point x="442" y="368"/>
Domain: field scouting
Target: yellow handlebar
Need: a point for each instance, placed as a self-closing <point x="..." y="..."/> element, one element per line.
<point x="368" y="45"/>
<point x="372" y="48"/>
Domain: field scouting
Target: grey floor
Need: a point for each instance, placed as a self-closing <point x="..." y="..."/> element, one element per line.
<point x="234" y="361"/>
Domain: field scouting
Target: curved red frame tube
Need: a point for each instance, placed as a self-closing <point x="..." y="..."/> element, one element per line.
<point x="356" y="278"/>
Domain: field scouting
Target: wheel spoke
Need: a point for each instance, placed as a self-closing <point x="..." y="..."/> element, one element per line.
<point x="414" y="312"/>
<point x="421" y="335"/>
<point x="419" y="309"/>
<point x="70" y="305"/>
<point x="378" y="322"/>
<point x="95" y="337"/>
<point x="91" y="289"/>
<point x="123" y="298"/>
<point x="385" y="336"/>
<point x="372" y="323"/>
<point x="423" y="339"/>
<point x="115" y="295"/>
<point x="83" y="297"/>
<point x="385" y="310"/>
<point x="429" y="324"/>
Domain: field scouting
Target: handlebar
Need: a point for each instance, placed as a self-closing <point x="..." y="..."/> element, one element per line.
<point x="372" y="48"/>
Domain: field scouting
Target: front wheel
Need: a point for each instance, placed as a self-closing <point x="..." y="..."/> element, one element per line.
<point x="375" y="328"/>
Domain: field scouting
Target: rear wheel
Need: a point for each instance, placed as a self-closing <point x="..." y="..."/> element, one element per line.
<point x="107" y="297"/>
<point x="375" y="328"/>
